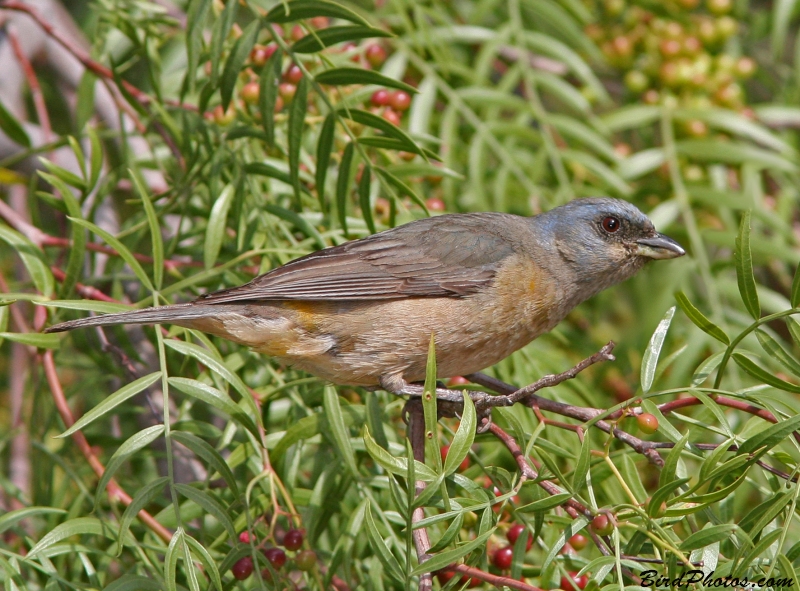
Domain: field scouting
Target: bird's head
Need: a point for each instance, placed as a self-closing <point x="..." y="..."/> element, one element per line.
<point x="605" y="241"/>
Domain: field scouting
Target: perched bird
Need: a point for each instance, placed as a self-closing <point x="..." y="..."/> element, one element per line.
<point x="484" y="284"/>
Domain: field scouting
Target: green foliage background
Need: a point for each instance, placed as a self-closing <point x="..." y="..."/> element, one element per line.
<point x="519" y="106"/>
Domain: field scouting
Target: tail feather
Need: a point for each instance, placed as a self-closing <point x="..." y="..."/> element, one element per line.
<point x="165" y="314"/>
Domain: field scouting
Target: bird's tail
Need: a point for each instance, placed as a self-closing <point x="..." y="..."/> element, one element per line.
<point x="177" y="314"/>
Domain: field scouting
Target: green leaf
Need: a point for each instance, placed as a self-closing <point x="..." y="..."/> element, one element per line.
<point x="708" y="536"/>
<point x="392" y="131"/>
<point x="33" y="259"/>
<point x="209" y="564"/>
<point x="63" y="174"/>
<point x="763" y="375"/>
<point x="74" y="527"/>
<point x="322" y="38"/>
<point x="449" y="535"/>
<point x="775" y="350"/>
<point x="464" y="437"/>
<point x="210" y="504"/>
<point x="297" y="120"/>
<point x="402" y="187"/>
<point x="133" y="444"/>
<point x="794" y="299"/>
<point x="268" y="82"/>
<point x="96" y="163"/>
<point x="393" y="464"/>
<point x="13" y="128"/>
<point x="442" y="559"/>
<point x="300" y="9"/>
<point x="343" y="184"/>
<point x="769" y="437"/>
<point x="117" y="398"/>
<point x="364" y="186"/>
<point x="341" y="438"/>
<point x="78" y="246"/>
<point x="216" y="398"/>
<point x="382" y="551"/>
<point x="651" y="354"/>
<point x="699" y="319"/>
<point x="203" y="449"/>
<point x="133" y="583"/>
<point x="142" y="499"/>
<point x="84" y="99"/>
<point x="123" y="251"/>
<point x="88" y="305"/>
<point x="662" y="494"/>
<point x="341" y="76"/>
<point x="728" y="152"/>
<point x="324" y="149"/>
<point x="215" y="231"/>
<point x="298" y="221"/>
<point x="11" y="518"/>
<point x="155" y="230"/>
<point x="582" y="466"/>
<point x="33" y="339"/>
<point x="239" y="53"/>
<point x="546" y="503"/>
<point x="744" y="268"/>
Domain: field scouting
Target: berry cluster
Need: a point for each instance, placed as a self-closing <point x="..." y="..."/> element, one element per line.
<point x="292" y="541"/>
<point x="682" y="52"/>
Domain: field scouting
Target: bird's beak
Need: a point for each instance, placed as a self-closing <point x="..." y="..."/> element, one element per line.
<point x="659" y="247"/>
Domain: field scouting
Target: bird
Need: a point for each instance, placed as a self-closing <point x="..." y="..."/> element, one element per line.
<point x="482" y="285"/>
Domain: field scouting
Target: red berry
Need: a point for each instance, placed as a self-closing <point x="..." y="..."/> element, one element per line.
<point x="391" y="116"/>
<point x="320" y="22"/>
<point x="572" y="580"/>
<point x="380" y="98"/>
<point x="261" y="53"/>
<point x="305" y="560"/>
<point x="297" y="33"/>
<point x="457" y="380"/>
<point x="278" y="104"/>
<point x="464" y="463"/>
<point x="250" y="93"/>
<point x="293" y="75"/>
<point x="515" y="532"/>
<point x="244" y="537"/>
<point x="375" y="55"/>
<point x="503" y="557"/>
<point x="602" y="525"/>
<point x="435" y="204"/>
<point x="293" y="539"/>
<point x="276" y="557"/>
<point x="648" y="424"/>
<point x="444" y="577"/>
<point x="287" y="91"/>
<point x="578" y="541"/>
<point x="400" y="100"/>
<point x="243" y="568"/>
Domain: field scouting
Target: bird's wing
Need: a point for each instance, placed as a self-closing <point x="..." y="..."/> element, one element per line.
<point x="446" y="256"/>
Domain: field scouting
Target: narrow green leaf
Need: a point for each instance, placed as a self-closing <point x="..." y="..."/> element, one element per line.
<point x="300" y="9"/>
<point x="381" y="124"/>
<point x="382" y="551"/>
<point x="210" y="504"/>
<point x="63" y="174"/>
<point x="13" y="128"/>
<point x="794" y="299"/>
<point x="324" y="149"/>
<point x="297" y="120"/>
<point x="343" y="76"/>
<point x="267" y="170"/>
<point x="208" y="562"/>
<point x="393" y="464"/>
<point x="123" y="251"/>
<point x="142" y="499"/>
<point x="341" y="438"/>
<point x="215" y="231"/>
<point x="216" y="398"/>
<point x="708" y="536"/>
<point x="402" y="187"/>
<point x="699" y="319"/>
<point x="322" y="38"/>
<point x="79" y="156"/>
<point x="88" y="305"/>
<point x="96" y="162"/>
<point x="651" y="354"/>
<point x="706" y="368"/>
<point x="33" y="259"/>
<point x="78" y="246"/>
<point x="364" y="186"/>
<point x="662" y="494"/>
<point x="777" y="351"/>
<point x="239" y="53"/>
<point x="127" y="391"/>
<point x="787" y="570"/>
<point x="582" y="466"/>
<point x="343" y="185"/>
<point x="33" y="339"/>
<point x="546" y="503"/>
<point x="431" y="414"/>
<point x="133" y="444"/>
<point x="449" y="535"/>
<point x="744" y="268"/>
<point x="769" y="437"/>
<point x="203" y="449"/>
<point x="155" y="229"/>
<point x="269" y="80"/>
<point x="11" y="518"/>
<point x="75" y="527"/>
<point x="171" y="559"/>
<point x="442" y="559"/>
<point x="196" y="15"/>
<point x="763" y="375"/>
<point x="464" y="437"/>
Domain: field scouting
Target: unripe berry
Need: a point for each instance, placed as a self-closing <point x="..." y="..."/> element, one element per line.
<point x="602" y="525"/>
<point x="375" y="55"/>
<point x="648" y="424"/>
<point x="305" y="560"/>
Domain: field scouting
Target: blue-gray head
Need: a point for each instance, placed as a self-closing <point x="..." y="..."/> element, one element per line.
<point x="605" y="241"/>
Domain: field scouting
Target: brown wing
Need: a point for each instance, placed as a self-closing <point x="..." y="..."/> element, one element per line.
<point x="449" y="255"/>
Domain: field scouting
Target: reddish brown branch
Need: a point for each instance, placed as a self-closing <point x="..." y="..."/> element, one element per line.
<point x="33" y="84"/>
<point x="496" y="580"/>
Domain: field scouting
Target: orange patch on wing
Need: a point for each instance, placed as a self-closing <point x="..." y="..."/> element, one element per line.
<point x="307" y="313"/>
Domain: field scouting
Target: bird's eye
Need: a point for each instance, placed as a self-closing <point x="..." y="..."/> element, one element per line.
<point x="610" y="224"/>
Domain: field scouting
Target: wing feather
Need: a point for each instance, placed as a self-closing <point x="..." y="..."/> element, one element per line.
<point x="446" y="256"/>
